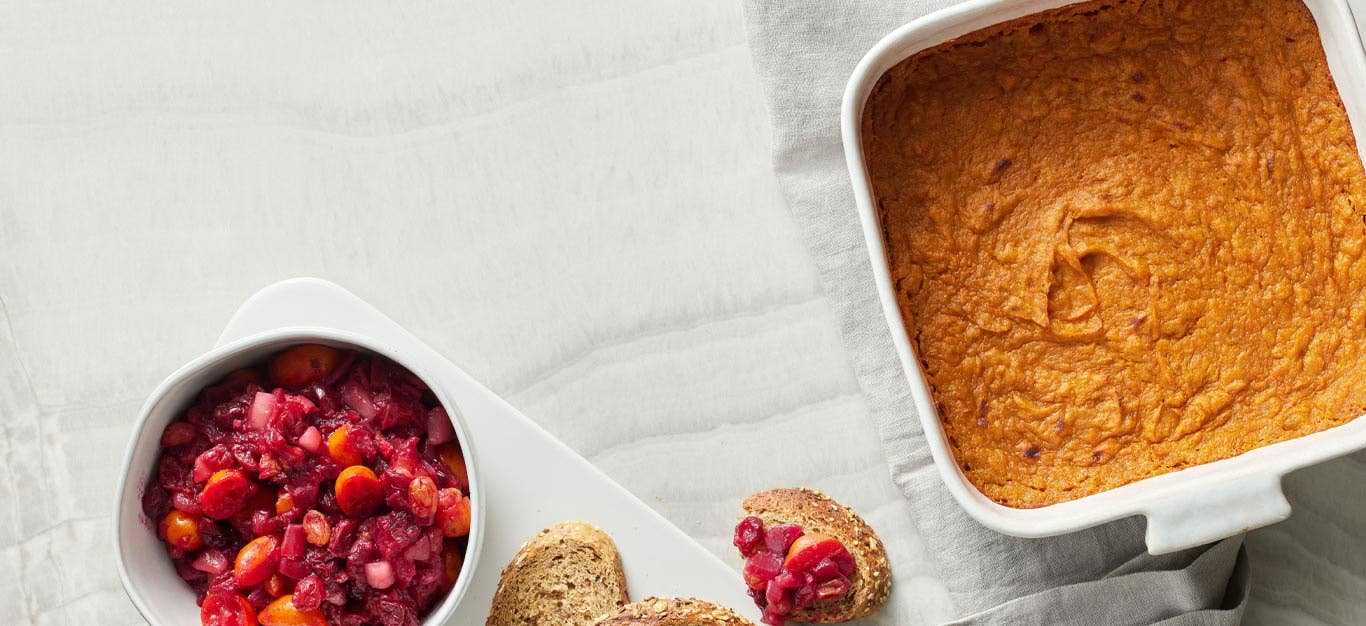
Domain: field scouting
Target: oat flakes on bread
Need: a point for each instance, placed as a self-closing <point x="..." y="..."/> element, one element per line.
<point x="674" y="612"/>
<point x="817" y="513"/>
<point x="569" y="575"/>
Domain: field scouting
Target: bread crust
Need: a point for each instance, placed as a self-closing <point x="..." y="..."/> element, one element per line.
<point x="817" y="512"/>
<point x="536" y="590"/>
<point x="674" y="612"/>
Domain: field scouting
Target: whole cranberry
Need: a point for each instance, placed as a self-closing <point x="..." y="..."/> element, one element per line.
<point x="761" y="568"/>
<point x="779" y="538"/>
<point x="749" y="535"/>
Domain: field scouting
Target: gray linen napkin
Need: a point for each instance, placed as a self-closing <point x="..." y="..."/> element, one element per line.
<point x="804" y="51"/>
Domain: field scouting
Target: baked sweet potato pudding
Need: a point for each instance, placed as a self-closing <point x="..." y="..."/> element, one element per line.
<point x="1127" y="238"/>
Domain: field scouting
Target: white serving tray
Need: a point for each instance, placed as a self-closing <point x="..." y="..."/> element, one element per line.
<point x="1186" y="508"/>
<point x="530" y="480"/>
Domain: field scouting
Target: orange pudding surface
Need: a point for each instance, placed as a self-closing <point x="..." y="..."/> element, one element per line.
<point x="1126" y="237"/>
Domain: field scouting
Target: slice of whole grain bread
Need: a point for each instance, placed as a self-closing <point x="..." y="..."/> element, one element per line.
<point x="569" y="575"/>
<point x="817" y="513"/>
<point x="674" y="612"/>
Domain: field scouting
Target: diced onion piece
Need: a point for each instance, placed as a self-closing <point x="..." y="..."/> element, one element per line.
<point x="379" y="574"/>
<point x="311" y="440"/>
<point x="439" y="429"/>
<point x="262" y="408"/>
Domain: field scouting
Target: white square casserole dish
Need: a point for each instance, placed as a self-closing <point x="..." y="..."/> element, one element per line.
<point x="1185" y="508"/>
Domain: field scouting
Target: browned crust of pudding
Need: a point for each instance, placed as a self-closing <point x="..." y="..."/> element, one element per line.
<point x="1126" y="238"/>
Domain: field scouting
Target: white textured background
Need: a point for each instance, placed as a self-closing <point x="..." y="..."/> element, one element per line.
<point x="571" y="200"/>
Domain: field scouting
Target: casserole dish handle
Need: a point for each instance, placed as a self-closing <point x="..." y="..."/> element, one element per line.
<point x="1208" y="513"/>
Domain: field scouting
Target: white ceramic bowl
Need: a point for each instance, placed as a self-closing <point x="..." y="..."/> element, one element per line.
<point x="1184" y="509"/>
<point x="146" y="570"/>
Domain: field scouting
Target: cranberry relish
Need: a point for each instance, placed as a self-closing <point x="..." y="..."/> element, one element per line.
<point x="335" y="496"/>
<point x="788" y="569"/>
